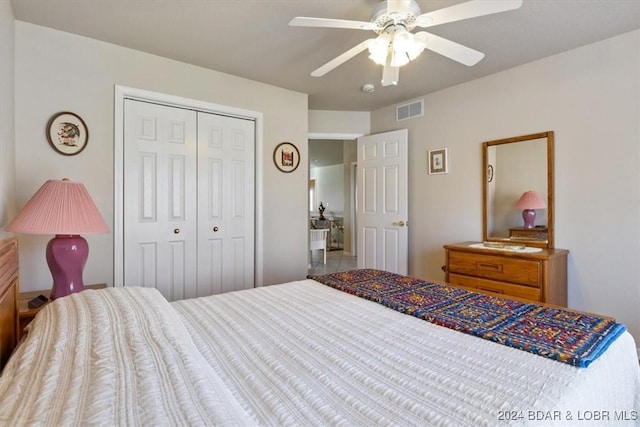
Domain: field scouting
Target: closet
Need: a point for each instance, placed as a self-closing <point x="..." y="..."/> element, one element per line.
<point x="188" y="204"/>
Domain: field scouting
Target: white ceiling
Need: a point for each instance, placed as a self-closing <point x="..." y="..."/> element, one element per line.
<point x="252" y="39"/>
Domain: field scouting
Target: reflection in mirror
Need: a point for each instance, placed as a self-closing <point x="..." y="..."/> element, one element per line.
<point x="518" y="190"/>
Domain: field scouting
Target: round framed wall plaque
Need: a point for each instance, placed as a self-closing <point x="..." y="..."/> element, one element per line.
<point x="286" y="157"/>
<point x="67" y="133"/>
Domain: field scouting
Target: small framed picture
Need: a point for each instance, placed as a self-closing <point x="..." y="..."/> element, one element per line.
<point x="67" y="133"/>
<point x="437" y="160"/>
<point x="286" y="157"/>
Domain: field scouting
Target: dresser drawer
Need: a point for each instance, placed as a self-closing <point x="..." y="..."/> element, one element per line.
<point x="514" y="270"/>
<point x="500" y="288"/>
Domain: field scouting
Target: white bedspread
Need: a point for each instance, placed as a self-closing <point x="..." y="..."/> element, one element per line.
<point x="297" y="354"/>
<point x="306" y="354"/>
<point x="113" y="357"/>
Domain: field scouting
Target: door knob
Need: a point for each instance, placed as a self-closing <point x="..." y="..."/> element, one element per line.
<point x="215" y="229"/>
<point x="401" y="223"/>
<point x="176" y="230"/>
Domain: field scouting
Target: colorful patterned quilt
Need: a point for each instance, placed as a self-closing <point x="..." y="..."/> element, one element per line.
<point x="560" y="334"/>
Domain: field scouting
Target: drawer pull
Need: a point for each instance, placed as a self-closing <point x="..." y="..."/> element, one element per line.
<point x="495" y="291"/>
<point x="488" y="266"/>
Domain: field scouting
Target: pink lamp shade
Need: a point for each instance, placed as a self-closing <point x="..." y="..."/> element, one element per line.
<point x="63" y="208"/>
<point x="529" y="202"/>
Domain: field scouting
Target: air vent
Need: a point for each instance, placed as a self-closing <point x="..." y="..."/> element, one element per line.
<point x="409" y="111"/>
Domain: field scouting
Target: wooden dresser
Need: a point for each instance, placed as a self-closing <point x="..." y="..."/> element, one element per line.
<point x="535" y="276"/>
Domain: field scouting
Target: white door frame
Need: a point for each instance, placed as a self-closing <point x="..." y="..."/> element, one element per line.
<point x="353" y="180"/>
<point x="122" y="92"/>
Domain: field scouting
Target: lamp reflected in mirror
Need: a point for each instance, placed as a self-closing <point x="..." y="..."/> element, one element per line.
<point x="529" y="202"/>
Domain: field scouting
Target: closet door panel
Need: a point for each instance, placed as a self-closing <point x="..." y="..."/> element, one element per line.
<point x="159" y="198"/>
<point x="226" y="171"/>
<point x="210" y="268"/>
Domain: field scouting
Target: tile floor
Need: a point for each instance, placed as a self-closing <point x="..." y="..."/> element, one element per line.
<point x="336" y="261"/>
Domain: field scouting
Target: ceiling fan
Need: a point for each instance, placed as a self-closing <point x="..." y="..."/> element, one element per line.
<point x="396" y="45"/>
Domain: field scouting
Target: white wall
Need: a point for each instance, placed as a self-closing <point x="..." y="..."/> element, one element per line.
<point x="58" y="71"/>
<point x="590" y="97"/>
<point x="7" y="128"/>
<point x="325" y="124"/>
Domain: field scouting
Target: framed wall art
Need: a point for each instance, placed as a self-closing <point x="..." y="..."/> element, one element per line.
<point x="286" y="157"/>
<point x="437" y="160"/>
<point x="67" y="133"/>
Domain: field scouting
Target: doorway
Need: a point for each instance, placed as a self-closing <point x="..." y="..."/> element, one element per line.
<point x="330" y="184"/>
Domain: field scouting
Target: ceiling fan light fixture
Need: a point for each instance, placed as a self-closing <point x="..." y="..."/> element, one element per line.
<point x="406" y="47"/>
<point x="418" y="44"/>
<point x="403" y="40"/>
<point x="378" y="49"/>
<point x="399" y="58"/>
<point x="402" y="44"/>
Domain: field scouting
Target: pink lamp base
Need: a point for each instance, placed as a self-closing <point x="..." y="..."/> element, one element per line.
<point x="529" y="216"/>
<point x="66" y="257"/>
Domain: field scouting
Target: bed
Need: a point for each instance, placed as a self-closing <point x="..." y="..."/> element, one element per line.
<point x="316" y="352"/>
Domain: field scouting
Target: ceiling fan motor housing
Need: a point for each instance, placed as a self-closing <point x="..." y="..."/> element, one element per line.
<point x="383" y="18"/>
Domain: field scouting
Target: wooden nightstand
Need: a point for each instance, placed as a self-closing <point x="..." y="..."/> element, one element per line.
<point x="26" y="314"/>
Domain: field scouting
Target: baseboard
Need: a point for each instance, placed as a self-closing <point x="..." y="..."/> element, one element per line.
<point x="347" y="253"/>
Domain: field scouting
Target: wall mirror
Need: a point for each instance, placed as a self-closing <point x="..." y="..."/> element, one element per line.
<point x="517" y="190"/>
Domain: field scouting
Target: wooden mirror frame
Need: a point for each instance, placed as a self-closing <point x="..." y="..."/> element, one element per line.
<point x="549" y="243"/>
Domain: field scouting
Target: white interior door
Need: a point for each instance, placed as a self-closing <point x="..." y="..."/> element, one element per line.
<point x="159" y="198"/>
<point x="382" y="202"/>
<point x="226" y="207"/>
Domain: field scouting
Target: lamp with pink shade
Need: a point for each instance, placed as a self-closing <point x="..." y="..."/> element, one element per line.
<point x="63" y="208"/>
<point x="529" y="202"/>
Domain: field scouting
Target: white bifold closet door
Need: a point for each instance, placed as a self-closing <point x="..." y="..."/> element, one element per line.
<point x="189" y="200"/>
<point x="226" y="220"/>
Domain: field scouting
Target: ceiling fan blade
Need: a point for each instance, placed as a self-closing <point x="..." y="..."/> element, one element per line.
<point x="398" y="6"/>
<point x="341" y="59"/>
<point x="450" y="49"/>
<point x="470" y="9"/>
<point x="390" y="75"/>
<point x="303" y="21"/>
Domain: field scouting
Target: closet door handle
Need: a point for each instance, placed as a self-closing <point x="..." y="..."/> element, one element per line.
<point x="176" y="231"/>
<point x="215" y="229"/>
